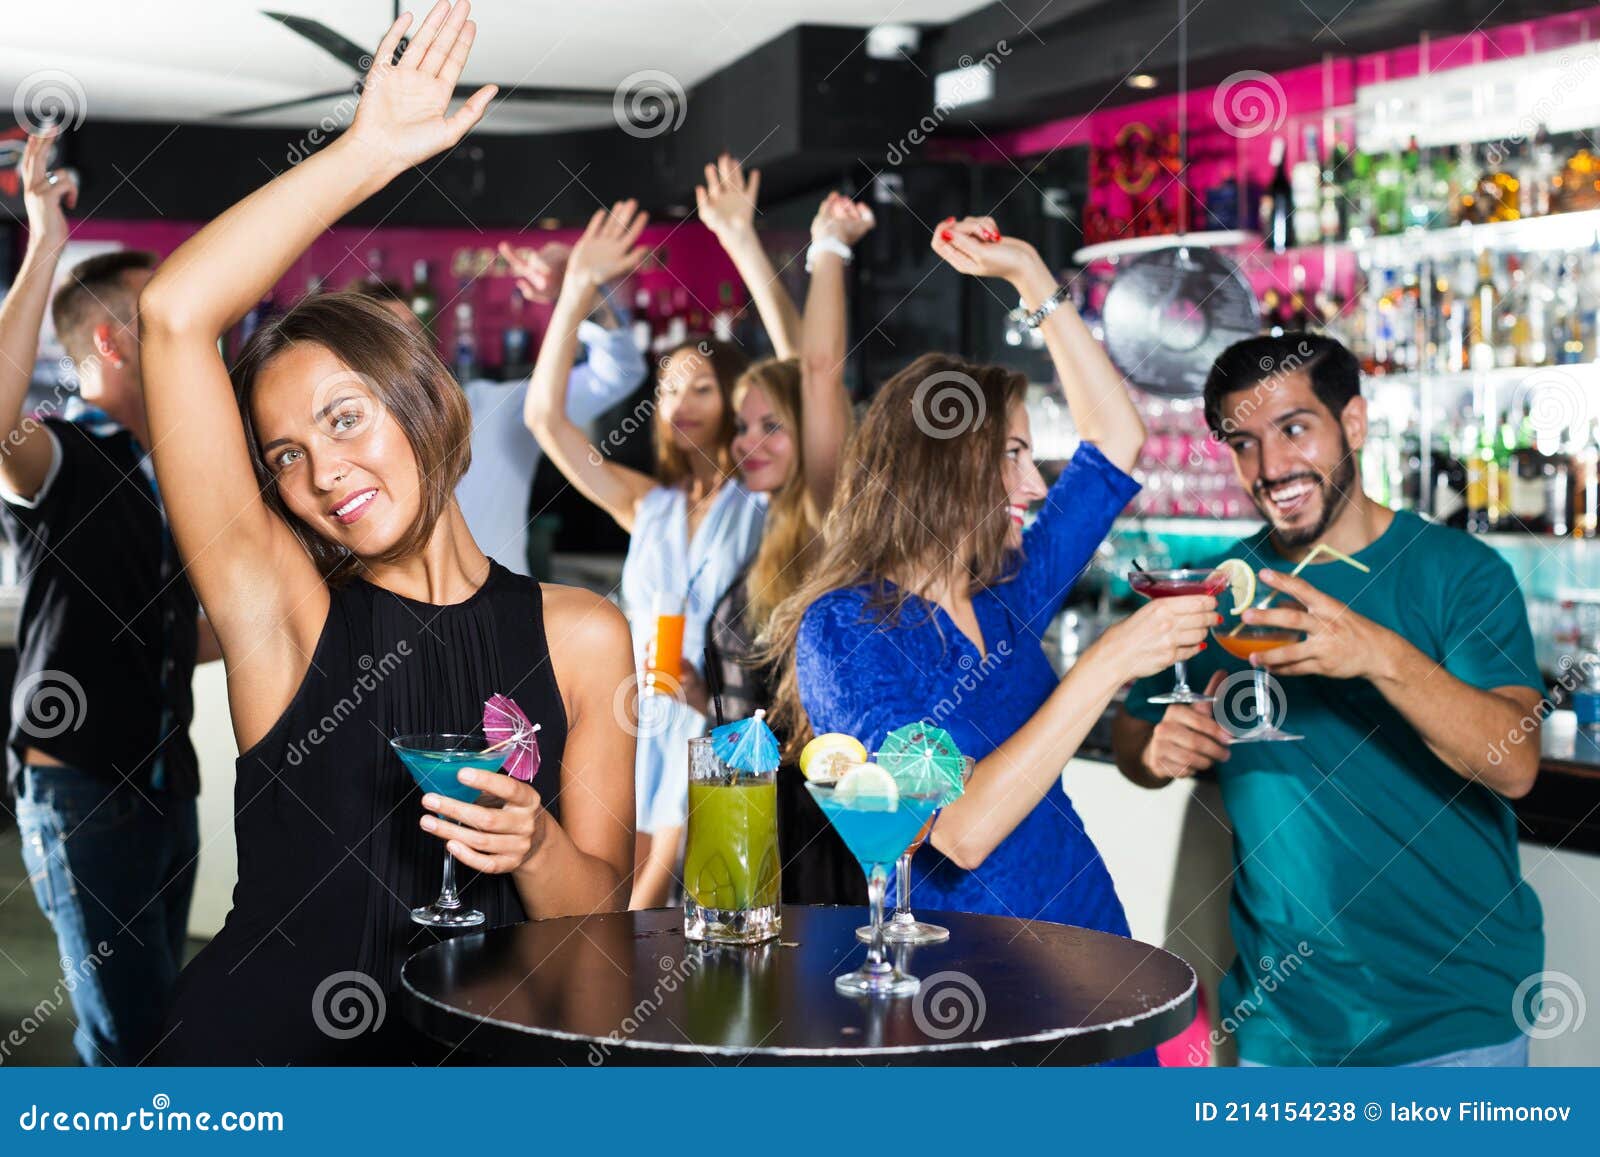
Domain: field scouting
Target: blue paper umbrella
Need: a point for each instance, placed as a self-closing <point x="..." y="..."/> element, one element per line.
<point x="746" y="744"/>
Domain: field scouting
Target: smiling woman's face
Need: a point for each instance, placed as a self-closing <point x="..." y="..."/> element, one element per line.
<point x="762" y="446"/>
<point x="342" y="465"/>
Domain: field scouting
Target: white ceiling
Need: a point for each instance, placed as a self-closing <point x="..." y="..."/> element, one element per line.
<point x="191" y="60"/>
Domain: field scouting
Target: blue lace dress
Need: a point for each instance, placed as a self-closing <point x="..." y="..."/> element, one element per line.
<point x="865" y="677"/>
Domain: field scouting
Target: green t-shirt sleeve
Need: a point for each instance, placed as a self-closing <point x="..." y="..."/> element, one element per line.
<point x="1487" y="640"/>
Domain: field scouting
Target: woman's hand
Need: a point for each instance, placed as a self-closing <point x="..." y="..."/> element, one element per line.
<point x="44" y="192"/>
<point x="1160" y="633"/>
<point x="401" y="118"/>
<point x="974" y="245"/>
<point x="539" y="272"/>
<point x="609" y="247"/>
<point x="842" y="219"/>
<point x="727" y="201"/>
<point x="496" y="835"/>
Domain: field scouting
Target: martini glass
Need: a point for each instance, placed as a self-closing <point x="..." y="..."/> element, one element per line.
<point x="877" y="830"/>
<point x="1242" y="641"/>
<point x="433" y="761"/>
<point x="1170" y="584"/>
<point x="903" y="927"/>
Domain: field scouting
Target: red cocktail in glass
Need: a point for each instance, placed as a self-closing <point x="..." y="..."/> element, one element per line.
<point x="1170" y="584"/>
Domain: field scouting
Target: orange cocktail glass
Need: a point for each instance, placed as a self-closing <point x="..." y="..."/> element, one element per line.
<point x="1243" y="641"/>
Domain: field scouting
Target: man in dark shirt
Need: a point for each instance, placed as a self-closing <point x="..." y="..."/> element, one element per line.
<point x="99" y="757"/>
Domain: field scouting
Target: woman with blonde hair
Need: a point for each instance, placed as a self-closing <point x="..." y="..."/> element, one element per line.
<point x="692" y="524"/>
<point x="793" y="417"/>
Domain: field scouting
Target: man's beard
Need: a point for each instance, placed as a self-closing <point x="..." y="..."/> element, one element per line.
<point x="1334" y="491"/>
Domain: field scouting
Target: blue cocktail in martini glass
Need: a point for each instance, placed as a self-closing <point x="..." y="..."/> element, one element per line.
<point x="877" y="821"/>
<point x="434" y="761"/>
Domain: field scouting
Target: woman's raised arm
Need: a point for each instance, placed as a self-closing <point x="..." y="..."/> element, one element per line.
<point x="824" y="403"/>
<point x="1097" y="397"/>
<point x="609" y="249"/>
<point x="727" y="207"/>
<point x="243" y="561"/>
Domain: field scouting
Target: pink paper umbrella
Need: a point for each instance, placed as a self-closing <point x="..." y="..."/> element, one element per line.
<point x="504" y="725"/>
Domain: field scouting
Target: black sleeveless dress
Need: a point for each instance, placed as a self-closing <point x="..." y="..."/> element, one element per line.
<point x="331" y="859"/>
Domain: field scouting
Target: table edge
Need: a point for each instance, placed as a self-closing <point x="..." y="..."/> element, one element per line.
<point x="413" y="996"/>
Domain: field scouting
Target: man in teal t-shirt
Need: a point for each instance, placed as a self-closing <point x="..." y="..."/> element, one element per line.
<point x="1378" y="853"/>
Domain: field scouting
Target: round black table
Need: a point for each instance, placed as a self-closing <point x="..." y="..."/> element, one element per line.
<point x="626" y="988"/>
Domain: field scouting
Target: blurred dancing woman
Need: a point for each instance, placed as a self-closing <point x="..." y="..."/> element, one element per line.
<point x="930" y="601"/>
<point x="693" y="525"/>
<point x="791" y="420"/>
<point x="316" y="517"/>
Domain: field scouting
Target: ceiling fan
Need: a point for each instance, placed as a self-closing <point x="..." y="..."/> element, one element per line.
<point x="352" y="55"/>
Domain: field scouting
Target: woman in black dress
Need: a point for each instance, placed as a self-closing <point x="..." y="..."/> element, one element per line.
<point x="316" y="517"/>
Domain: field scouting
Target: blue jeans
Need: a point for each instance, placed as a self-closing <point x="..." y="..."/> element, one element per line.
<point x="113" y="871"/>
<point x="1511" y="1055"/>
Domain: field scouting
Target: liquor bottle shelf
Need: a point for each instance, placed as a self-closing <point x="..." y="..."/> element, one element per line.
<point x="1551" y="232"/>
<point x="1579" y="374"/>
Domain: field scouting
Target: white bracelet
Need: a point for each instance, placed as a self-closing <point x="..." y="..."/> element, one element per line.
<point x="827" y="245"/>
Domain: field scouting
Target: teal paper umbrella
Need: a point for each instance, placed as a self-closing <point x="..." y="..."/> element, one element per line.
<point x="919" y="755"/>
<point x="746" y="744"/>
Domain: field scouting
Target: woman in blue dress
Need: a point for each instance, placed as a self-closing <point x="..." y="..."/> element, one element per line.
<point x="930" y="601"/>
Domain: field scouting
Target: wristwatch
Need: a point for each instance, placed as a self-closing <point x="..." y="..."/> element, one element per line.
<point x="1051" y="304"/>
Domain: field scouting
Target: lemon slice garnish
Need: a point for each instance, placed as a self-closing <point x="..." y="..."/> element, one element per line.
<point x="825" y="757"/>
<point x="867" y="782"/>
<point x="1241" y="582"/>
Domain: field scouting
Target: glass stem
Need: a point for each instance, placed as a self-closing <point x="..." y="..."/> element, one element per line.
<point x="877" y="885"/>
<point x="1263" y="700"/>
<point x="1182" y="670"/>
<point x="902" y="888"/>
<point x="447" y="886"/>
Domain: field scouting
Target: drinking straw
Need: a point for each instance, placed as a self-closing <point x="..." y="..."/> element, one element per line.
<point x="1311" y="554"/>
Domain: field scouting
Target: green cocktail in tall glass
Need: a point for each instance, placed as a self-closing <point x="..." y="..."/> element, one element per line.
<point x="730" y="859"/>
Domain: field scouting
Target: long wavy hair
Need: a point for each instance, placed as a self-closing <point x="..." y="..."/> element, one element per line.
<point x="411" y="385"/>
<point x="791" y="542"/>
<point x="921" y="493"/>
<point x="727" y="362"/>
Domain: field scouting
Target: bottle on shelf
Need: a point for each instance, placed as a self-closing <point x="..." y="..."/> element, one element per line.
<point x="1331" y="211"/>
<point x="1389" y="192"/>
<point x="1306" y="192"/>
<point x="1481" y="481"/>
<point x="1484" y="315"/>
<point x="1464" y="175"/>
<point x="1360" y="208"/>
<point x="1277" y="201"/>
<point x="424" y="301"/>
<point x="514" y="343"/>
<point x="1529" y="496"/>
<point x="465" y="361"/>
<point x="1449" y="486"/>
<point x="1499" y="190"/>
<point x="1558" y="484"/>
<point x="1586" y="483"/>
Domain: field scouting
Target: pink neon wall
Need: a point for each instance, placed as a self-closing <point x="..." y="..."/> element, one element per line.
<point x="690" y="268"/>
